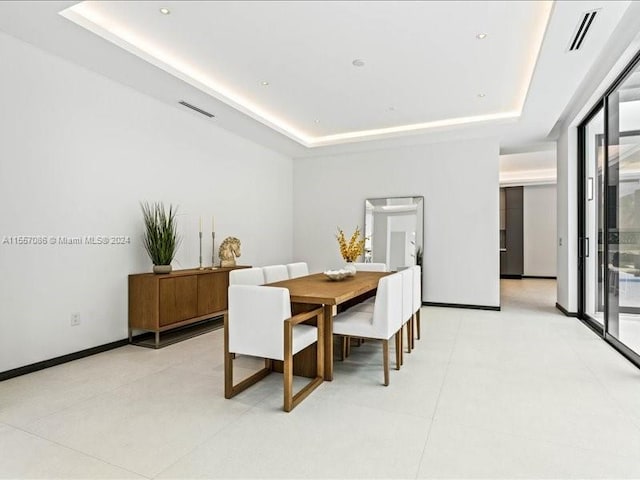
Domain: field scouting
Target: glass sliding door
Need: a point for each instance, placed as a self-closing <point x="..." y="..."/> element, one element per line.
<point x="593" y="238"/>
<point x="623" y="211"/>
<point x="609" y="214"/>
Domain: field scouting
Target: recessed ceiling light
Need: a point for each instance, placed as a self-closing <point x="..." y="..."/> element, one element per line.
<point x="482" y="95"/>
<point x="264" y="84"/>
<point x="316" y="121"/>
<point x="358" y="63"/>
<point x="481" y="36"/>
<point x="88" y="16"/>
<point x="165" y="11"/>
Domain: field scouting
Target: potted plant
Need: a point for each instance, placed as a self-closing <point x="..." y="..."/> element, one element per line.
<point x="160" y="235"/>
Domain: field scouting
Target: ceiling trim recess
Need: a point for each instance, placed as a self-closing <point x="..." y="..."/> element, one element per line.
<point x="528" y="177"/>
<point x="83" y="15"/>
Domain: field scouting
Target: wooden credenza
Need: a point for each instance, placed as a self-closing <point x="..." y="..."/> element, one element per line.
<point x="162" y="302"/>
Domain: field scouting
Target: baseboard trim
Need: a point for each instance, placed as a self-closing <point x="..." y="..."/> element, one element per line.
<point x="566" y="312"/>
<point x="540" y="276"/>
<point x="461" y="305"/>
<point x="52" y="362"/>
<point x="511" y="276"/>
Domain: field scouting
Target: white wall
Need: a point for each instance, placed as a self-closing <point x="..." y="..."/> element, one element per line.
<point x="539" y="230"/>
<point x="77" y="154"/>
<point x="459" y="181"/>
<point x="567" y="220"/>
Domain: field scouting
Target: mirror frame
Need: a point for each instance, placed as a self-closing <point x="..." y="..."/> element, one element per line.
<point x="414" y="199"/>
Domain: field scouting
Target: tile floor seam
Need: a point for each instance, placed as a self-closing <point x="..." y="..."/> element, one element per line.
<point x="218" y="432"/>
<point x="107" y="392"/>
<point x="67" y="447"/>
<point x="76" y="403"/>
<point x="435" y="409"/>
<point x="621" y="409"/>
<point x="597" y="379"/>
<point x="545" y="440"/>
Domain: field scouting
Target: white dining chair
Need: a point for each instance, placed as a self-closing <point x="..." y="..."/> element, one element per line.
<point x="259" y="324"/>
<point x="298" y="269"/>
<point x="246" y="276"/>
<point x="367" y="304"/>
<point x="383" y="323"/>
<point x="275" y="273"/>
<point x="370" y="267"/>
<point x="417" y="298"/>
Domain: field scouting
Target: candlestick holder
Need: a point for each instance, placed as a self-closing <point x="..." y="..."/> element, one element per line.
<point x="213" y="251"/>
<point x="200" y="235"/>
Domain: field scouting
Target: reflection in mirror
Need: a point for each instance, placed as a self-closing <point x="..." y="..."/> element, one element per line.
<point x="394" y="231"/>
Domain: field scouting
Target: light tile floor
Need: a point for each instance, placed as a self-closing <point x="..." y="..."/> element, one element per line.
<point x="521" y="393"/>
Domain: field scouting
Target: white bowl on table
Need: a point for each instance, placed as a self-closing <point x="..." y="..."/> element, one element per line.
<point x="336" y="275"/>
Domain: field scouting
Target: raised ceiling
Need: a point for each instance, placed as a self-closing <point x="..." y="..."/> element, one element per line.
<point x="290" y="65"/>
<point x="423" y="64"/>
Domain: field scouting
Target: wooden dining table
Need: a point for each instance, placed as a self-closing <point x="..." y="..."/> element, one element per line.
<point x="312" y="290"/>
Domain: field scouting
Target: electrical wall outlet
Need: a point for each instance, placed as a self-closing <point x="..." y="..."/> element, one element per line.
<point x="560" y="241"/>
<point x="75" y="319"/>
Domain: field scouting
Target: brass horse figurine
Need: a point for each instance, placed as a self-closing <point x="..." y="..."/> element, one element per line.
<point x="228" y="251"/>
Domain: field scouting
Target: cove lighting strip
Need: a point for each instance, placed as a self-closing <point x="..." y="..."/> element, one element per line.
<point x="89" y="18"/>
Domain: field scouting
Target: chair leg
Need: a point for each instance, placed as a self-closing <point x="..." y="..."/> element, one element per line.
<point x="291" y="400"/>
<point x="400" y="332"/>
<point x="408" y="325"/>
<point x="228" y="375"/>
<point x="343" y="349"/>
<point x="413" y="329"/>
<point x="398" y="350"/>
<point x="231" y="390"/>
<point x="385" y="359"/>
<point x="348" y="347"/>
<point x="287" y="370"/>
<point x="418" y="323"/>
<point x="228" y="361"/>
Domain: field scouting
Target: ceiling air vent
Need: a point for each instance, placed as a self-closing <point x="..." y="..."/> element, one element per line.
<point x="581" y="31"/>
<point x="199" y="110"/>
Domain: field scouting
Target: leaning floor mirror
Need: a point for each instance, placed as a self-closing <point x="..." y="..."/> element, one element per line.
<point x="394" y="231"/>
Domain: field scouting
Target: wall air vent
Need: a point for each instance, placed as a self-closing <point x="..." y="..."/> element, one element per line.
<point x="199" y="110"/>
<point x="581" y="30"/>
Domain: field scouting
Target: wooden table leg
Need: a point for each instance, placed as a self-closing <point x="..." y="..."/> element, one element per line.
<point x="328" y="342"/>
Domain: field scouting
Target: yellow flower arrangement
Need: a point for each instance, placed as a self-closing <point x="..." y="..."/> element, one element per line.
<point x="352" y="250"/>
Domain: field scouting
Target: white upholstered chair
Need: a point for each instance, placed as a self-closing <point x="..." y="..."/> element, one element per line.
<point x="409" y="306"/>
<point x="383" y="323"/>
<point x="275" y="273"/>
<point x="246" y="276"/>
<point x="366" y="305"/>
<point x="259" y="324"/>
<point x="370" y="267"/>
<point x="417" y="297"/>
<point x="298" y="269"/>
